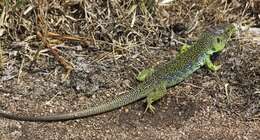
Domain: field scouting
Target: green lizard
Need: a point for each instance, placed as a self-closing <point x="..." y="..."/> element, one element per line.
<point x="156" y="80"/>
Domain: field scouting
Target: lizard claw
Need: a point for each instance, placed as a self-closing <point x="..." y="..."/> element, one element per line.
<point x="150" y="107"/>
<point x="216" y="68"/>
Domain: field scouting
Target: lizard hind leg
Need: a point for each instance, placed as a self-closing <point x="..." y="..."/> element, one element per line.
<point x="156" y="94"/>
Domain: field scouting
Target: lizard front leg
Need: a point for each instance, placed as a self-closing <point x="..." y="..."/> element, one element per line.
<point x="184" y="48"/>
<point x="210" y="65"/>
<point x="144" y="74"/>
<point x="156" y="94"/>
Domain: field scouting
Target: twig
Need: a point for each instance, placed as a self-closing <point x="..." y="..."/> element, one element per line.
<point x="67" y="37"/>
<point x="61" y="60"/>
<point x="20" y="71"/>
<point x="42" y="35"/>
<point x="1" y="58"/>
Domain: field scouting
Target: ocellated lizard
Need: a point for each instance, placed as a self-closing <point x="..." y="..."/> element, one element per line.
<point x="156" y="80"/>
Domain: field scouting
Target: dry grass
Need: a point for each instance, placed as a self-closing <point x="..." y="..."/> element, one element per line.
<point x="116" y="26"/>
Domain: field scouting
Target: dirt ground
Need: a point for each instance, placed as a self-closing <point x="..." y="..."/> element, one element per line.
<point x="58" y="56"/>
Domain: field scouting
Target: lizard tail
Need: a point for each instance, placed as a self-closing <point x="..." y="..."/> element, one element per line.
<point x="119" y="101"/>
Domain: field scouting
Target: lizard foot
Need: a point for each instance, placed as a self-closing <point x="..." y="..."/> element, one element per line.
<point x="150" y="107"/>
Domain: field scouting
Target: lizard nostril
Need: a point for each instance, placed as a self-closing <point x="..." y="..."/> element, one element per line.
<point x="218" y="40"/>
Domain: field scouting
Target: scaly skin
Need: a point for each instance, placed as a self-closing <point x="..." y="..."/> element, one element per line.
<point x="156" y="79"/>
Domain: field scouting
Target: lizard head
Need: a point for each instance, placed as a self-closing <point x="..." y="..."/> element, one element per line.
<point x="218" y="42"/>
